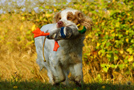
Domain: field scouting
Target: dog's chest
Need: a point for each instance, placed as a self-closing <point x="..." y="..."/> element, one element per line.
<point x="70" y="52"/>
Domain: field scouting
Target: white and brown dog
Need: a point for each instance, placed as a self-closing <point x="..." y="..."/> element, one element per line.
<point x="68" y="58"/>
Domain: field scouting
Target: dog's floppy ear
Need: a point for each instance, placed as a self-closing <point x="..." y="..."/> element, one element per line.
<point x="87" y="22"/>
<point x="84" y="20"/>
<point x="79" y="15"/>
<point x="57" y="17"/>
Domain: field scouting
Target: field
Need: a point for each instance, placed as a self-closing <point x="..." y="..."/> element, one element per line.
<point x="108" y="54"/>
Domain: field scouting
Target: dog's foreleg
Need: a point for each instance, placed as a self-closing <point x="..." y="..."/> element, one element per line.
<point x="58" y="75"/>
<point x="66" y="82"/>
<point x="50" y="75"/>
<point x="76" y="73"/>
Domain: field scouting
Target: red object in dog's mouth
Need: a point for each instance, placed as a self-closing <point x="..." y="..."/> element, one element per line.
<point x="38" y="33"/>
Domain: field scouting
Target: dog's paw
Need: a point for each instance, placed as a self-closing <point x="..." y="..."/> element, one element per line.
<point x="77" y="80"/>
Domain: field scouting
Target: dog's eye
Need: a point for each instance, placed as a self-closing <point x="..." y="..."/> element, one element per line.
<point x="59" y="18"/>
<point x="69" y="18"/>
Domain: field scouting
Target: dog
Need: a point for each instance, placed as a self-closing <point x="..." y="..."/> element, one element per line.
<point x="68" y="57"/>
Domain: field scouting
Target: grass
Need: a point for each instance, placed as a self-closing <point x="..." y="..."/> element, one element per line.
<point x="26" y="85"/>
<point x="17" y="50"/>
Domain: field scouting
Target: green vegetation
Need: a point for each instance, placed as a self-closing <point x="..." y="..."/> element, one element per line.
<point x="44" y="86"/>
<point x="108" y="54"/>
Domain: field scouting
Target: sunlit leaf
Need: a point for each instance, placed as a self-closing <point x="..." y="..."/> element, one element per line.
<point x="23" y="18"/>
<point x="48" y="15"/>
<point x="46" y="7"/>
<point x="121" y="51"/>
<point x="127" y="40"/>
<point x="55" y="10"/>
<point x="33" y="27"/>
<point x="130" y="50"/>
<point x="116" y="57"/>
<point x="130" y="59"/>
<point x="105" y="69"/>
<point x="21" y="27"/>
<point x="121" y="66"/>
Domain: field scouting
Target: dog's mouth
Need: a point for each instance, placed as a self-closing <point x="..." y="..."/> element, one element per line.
<point x="64" y="24"/>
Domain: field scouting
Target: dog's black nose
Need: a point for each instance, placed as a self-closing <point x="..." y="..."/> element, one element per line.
<point x="60" y="24"/>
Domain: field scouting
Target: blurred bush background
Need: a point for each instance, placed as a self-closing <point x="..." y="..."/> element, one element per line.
<point x="108" y="54"/>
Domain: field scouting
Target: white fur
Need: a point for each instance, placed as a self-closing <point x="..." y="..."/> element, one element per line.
<point x="67" y="58"/>
<point x="64" y="16"/>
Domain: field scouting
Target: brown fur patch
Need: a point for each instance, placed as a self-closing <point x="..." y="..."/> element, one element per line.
<point x="72" y="17"/>
<point x="79" y="17"/>
<point x="57" y="17"/>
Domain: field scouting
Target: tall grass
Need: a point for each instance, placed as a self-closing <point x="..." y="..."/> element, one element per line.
<point x="17" y="51"/>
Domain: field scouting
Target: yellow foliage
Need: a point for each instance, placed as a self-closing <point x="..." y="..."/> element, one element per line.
<point x="121" y="51"/>
<point x="75" y="89"/>
<point x="15" y="87"/>
<point x="23" y="18"/>
<point x="130" y="59"/>
<point x="103" y="87"/>
<point x="128" y="14"/>
<point x="127" y="40"/>
<point x="21" y="27"/>
<point x="98" y="44"/>
<point x="17" y="50"/>
<point x="48" y="15"/>
<point x="33" y="27"/>
<point x="55" y="10"/>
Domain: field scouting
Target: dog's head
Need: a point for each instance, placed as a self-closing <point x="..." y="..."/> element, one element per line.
<point x="72" y="17"/>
